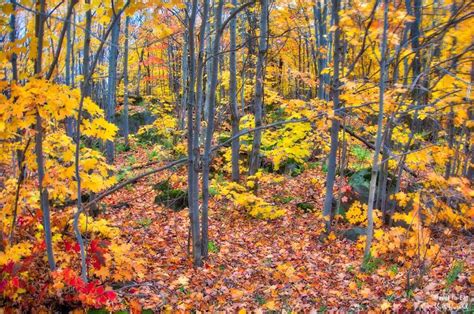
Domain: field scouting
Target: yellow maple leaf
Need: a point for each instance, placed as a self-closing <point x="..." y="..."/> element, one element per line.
<point x="236" y="294"/>
<point x="270" y="305"/>
<point x="102" y="272"/>
<point x="183" y="281"/>
<point x="385" y="305"/>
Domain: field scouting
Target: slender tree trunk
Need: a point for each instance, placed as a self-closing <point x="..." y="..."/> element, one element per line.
<point x="85" y="90"/>
<point x="254" y="162"/>
<point x="468" y="147"/>
<point x="125" y="84"/>
<point x="331" y="174"/>
<point x="200" y="70"/>
<point x="193" y="152"/>
<point x="242" y="89"/>
<point x="209" y="65"/>
<point x="44" y="196"/>
<point x="112" y="87"/>
<point x="73" y="56"/>
<point x="378" y="139"/>
<point x="320" y="14"/>
<point x="416" y="63"/>
<point x="14" y="57"/>
<point x="68" y="66"/>
<point x="184" y="82"/>
<point x="19" y="153"/>
<point x="148" y="74"/>
<point x="210" y="129"/>
<point x="450" y="126"/>
<point x="235" y="117"/>
<point x="197" y="125"/>
<point x="139" y="72"/>
<point x="384" y="181"/>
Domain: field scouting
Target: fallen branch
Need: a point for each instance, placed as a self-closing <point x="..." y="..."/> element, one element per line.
<point x="371" y="146"/>
<point x="133" y="180"/>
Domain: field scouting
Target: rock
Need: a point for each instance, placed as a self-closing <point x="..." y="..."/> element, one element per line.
<point x="306" y="207"/>
<point x="353" y="234"/>
<point x="172" y="198"/>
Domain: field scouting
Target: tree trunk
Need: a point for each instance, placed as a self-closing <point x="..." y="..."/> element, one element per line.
<point x="210" y="129"/>
<point x="331" y="174"/>
<point x="321" y="39"/>
<point x="197" y="125"/>
<point x="254" y="162"/>
<point x="125" y="84"/>
<point x="139" y="72"/>
<point x="200" y="71"/>
<point x="14" y="57"/>
<point x="378" y="139"/>
<point x="44" y="198"/>
<point x="235" y="117"/>
<point x="112" y="87"/>
<point x="242" y="89"/>
<point x="69" y="52"/>
<point x="85" y="91"/>
<point x="193" y="152"/>
<point x="184" y="82"/>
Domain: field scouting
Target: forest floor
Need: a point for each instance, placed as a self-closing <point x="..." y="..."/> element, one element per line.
<point x="269" y="265"/>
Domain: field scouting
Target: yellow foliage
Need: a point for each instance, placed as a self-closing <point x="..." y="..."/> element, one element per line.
<point x="54" y="103"/>
<point x="292" y="141"/>
<point x="97" y="226"/>
<point x="15" y="253"/>
<point x="254" y="205"/>
<point x="122" y="263"/>
<point x="357" y="214"/>
<point x="165" y="126"/>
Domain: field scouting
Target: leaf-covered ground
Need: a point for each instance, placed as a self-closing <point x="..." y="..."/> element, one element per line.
<point x="271" y="265"/>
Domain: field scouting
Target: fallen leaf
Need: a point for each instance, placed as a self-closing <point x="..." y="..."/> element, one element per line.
<point x="236" y="294"/>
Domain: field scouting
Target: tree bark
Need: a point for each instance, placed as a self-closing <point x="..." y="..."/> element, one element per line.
<point x="68" y="67"/>
<point x="378" y="140"/>
<point x="44" y="195"/>
<point x="125" y="84"/>
<point x="112" y="87"/>
<point x="14" y="57"/>
<point x="85" y="91"/>
<point x="235" y="117"/>
<point x="254" y="162"/>
<point x="210" y="129"/>
<point x="331" y="174"/>
<point x="193" y="159"/>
